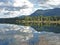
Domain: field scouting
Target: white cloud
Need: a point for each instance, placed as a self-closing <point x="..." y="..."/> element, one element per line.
<point x="21" y="3"/>
<point x="53" y="2"/>
<point x="26" y="8"/>
<point x="46" y="4"/>
<point x="49" y="4"/>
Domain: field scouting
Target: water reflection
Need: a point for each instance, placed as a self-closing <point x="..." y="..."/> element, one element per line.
<point x="11" y="34"/>
<point x="39" y="26"/>
<point x="47" y="27"/>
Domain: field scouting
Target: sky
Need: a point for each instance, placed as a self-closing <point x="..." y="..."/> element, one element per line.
<point x="14" y="8"/>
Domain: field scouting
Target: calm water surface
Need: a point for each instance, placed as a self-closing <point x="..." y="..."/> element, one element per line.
<point x="12" y="34"/>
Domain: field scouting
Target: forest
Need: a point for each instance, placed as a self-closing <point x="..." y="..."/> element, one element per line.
<point x="31" y="19"/>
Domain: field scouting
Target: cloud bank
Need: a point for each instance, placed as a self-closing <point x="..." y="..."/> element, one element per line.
<point x="46" y="4"/>
<point x="14" y="8"/>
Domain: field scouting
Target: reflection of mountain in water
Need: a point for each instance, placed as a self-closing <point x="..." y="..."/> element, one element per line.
<point x="47" y="27"/>
<point x="11" y="34"/>
<point x="40" y="23"/>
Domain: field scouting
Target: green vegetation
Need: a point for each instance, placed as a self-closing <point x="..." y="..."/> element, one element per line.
<point x="40" y="23"/>
<point x="32" y="19"/>
<point x="39" y="19"/>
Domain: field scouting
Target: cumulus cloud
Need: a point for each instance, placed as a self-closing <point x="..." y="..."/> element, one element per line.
<point x="46" y="4"/>
<point x="50" y="4"/>
<point x="13" y="8"/>
<point x="24" y="3"/>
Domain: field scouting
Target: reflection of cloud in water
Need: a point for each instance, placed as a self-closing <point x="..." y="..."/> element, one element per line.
<point x="8" y="27"/>
<point x="10" y="33"/>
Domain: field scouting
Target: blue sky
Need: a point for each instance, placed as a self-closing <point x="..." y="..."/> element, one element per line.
<point x="14" y="8"/>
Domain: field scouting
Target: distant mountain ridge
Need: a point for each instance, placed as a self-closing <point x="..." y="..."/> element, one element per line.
<point x="50" y="12"/>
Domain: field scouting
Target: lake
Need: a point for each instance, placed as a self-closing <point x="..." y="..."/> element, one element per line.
<point x="30" y="34"/>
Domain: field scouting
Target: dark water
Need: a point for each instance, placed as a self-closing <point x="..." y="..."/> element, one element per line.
<point x="13" y="34"/>
<point x="47" y="27"/>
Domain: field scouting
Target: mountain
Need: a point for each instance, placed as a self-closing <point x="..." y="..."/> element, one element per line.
<point x="50" y="12"/>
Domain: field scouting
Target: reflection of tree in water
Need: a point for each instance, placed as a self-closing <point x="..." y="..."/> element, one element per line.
<point x="47" y="27"/>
